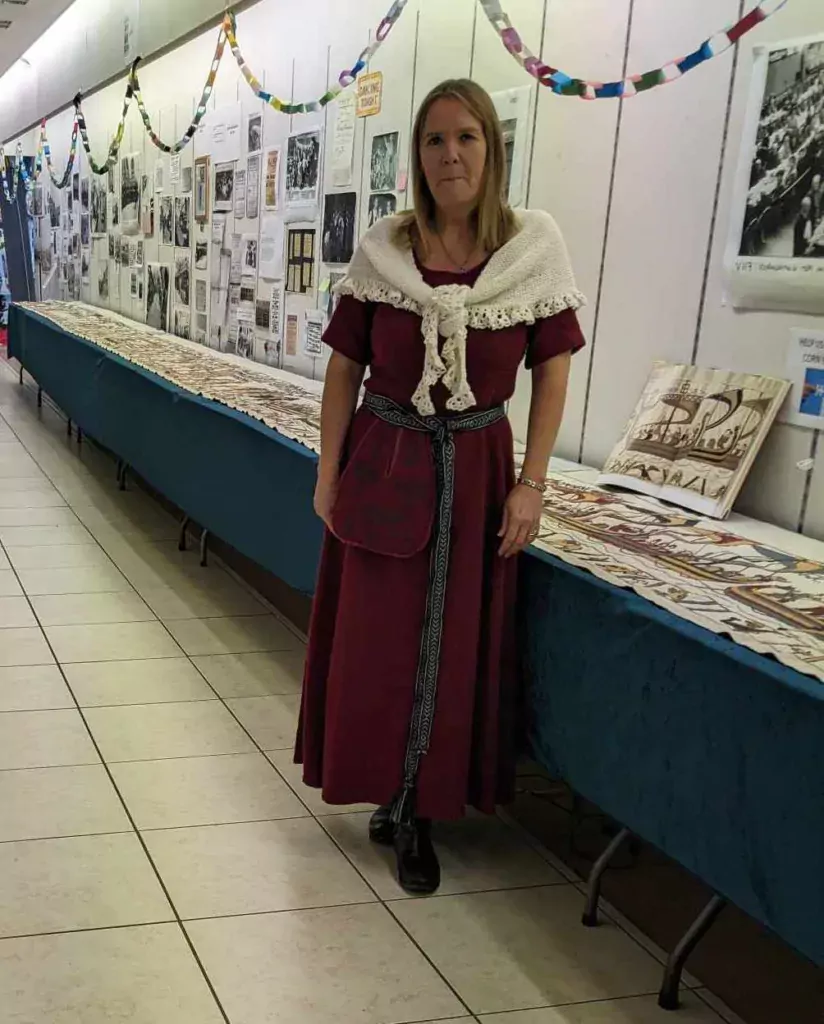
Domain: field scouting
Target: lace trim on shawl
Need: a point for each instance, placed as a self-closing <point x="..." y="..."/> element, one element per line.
<point x="491" y="318"/>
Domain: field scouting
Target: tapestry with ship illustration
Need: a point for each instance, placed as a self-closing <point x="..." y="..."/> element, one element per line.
<point x="765" y="599"/>
<point x="694" y="436"/>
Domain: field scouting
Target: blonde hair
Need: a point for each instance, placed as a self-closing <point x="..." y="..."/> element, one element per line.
<point x="494" y="220"/>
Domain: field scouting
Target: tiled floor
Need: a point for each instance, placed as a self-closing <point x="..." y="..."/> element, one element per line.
<point x="160" y="861"/>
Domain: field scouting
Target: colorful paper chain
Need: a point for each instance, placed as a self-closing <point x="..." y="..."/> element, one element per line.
<point x="566" y="85"/>
<point x="345" y="79"/>
<point x="553" y="78"/>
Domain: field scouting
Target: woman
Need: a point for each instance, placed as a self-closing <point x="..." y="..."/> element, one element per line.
<point x="410" y="696"/>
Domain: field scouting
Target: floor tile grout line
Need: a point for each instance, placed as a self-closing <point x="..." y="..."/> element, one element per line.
<point x="130" y="817"/>
<point x="385" y="903"/>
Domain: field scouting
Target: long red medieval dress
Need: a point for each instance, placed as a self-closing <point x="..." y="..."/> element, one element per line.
<point x="367" y="621"/>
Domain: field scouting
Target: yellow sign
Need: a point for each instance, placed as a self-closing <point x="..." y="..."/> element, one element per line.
<point x="370" y="94"/>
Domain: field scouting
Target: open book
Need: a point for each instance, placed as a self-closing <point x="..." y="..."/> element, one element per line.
<point x="694" y="436"/>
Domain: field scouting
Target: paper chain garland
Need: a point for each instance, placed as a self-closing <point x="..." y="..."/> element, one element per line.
<point x="565" y="85"/>
<point x="561" y="83"/>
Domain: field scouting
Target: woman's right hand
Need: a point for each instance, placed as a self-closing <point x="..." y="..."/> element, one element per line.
<point x="326" y="494"/>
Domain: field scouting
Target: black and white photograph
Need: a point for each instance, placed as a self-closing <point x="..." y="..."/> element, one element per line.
<point x="146" y="206"/>
<point x="103" y="282"/>
<point x="250" y="254"/>
<point x="85" y="195"/>
<point x="139" y="252"/>
<point x="263" y="313"/>
<point x="255" y="134"/>
<point x="183" y="323"/>
<point x="381" y="204"/>
<point x="114" y="212"/>
<point x="85" y="267"/>
<point x="183" y="281"/>
<point x="303" y="168"/>
<point x="37" y="202"/>
<point x="158" y="281"/>
<point x="75" y="192"/>
<point x="778" y="224"/>
<point x="134" y="284"/>
<point x="183" y="222"/>
<point x="340" y="210"/>
<point x="112" y="240"/>
<point x="111" y="179"/>
<point x="100" y="208"/>
<point x="54" y="211"/>
<point x="245" y="339"/>
<point x="201" y="255"/>
<point x="167" y="220"/>
<point x="130" y="181"/>
<point x="186" y="177"/>
<point x="201" y="295"/>
<point x="383" y="175"/>
<point x="85" y="230"/>
<point x="224" y="188"/>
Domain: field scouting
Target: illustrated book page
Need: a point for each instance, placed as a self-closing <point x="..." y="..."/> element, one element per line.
<point x="694" y="436"/>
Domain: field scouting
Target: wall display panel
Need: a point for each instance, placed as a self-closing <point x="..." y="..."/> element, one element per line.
<point x="652" y="291"/>
<point x="445" y="34"/>
<point x="570" y="176"/>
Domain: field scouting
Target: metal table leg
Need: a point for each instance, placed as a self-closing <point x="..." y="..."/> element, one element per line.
<point x="68" y="428"/>
<point x="590" y="915"/>
<point x="21" y="373"/>
<point x="204" y="548"/>
<point x="668" y="996"/>
<point x="39" y="398"/>
<point x="181" y="544"/>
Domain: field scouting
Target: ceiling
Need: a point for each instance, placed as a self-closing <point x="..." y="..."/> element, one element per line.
<point x="28" y="21"/>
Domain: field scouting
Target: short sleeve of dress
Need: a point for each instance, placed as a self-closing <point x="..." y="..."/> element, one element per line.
<point x="350" y="329"/>
<point x="553" y="336"/>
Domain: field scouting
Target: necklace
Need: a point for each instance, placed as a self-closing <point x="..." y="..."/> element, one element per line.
<point x="462" y="265"/>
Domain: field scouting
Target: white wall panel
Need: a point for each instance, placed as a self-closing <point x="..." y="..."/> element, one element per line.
<point x="571" y="164"/>
<point x="445" y="43"/>
<point x="665" y="185"/>
<point x="757" y="342"/>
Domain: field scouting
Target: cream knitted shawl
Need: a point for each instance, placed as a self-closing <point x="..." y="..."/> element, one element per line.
<point x="530" y="278"/>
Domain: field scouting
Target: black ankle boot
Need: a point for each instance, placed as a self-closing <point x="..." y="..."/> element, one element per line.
<point x="419" y="872"/>
<point x="381" y="829"/>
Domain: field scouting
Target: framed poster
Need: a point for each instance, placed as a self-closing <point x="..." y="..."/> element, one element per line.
<point x="775" y="250"/>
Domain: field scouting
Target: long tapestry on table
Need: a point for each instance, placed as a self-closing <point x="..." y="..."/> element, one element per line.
<point x="764" y="599"/>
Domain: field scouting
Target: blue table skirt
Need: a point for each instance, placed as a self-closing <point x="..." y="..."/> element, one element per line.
<point x="246" y="483"/>
<point x="710" y="752"/>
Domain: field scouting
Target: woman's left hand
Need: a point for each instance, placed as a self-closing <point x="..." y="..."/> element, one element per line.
<point x="522" y="517"/>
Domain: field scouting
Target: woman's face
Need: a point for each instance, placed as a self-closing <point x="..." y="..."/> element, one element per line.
<point x="453" y="155"/>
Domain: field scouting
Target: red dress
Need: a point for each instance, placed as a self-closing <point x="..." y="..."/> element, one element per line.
<point x="368" y="615"/>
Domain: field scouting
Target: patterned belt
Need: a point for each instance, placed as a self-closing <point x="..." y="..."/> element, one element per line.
<point x="442" y="431"/>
